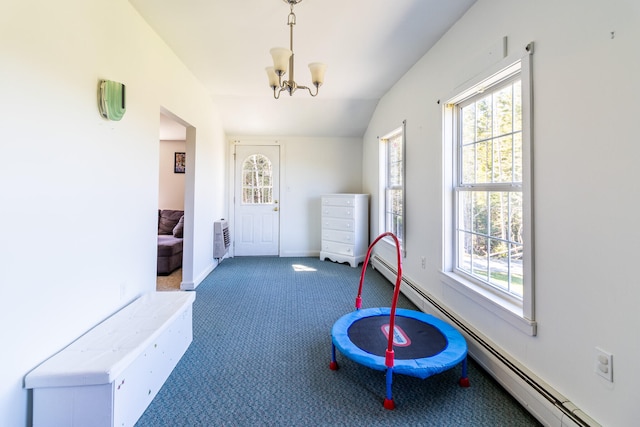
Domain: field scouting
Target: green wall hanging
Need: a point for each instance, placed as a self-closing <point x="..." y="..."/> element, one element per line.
<point x="111" y="100"/>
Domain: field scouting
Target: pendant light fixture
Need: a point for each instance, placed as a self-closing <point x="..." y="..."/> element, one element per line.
<point x="283" y="63"/>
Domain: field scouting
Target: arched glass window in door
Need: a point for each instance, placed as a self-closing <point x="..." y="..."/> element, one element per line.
<point x="257" y="182"/>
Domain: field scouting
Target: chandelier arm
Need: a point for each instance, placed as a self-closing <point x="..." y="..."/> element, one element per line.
<point x="309" y="89"/>
<point x="289" y="85"/>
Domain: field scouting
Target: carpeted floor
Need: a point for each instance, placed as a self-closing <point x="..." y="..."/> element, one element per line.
<point x="170" y="282"/>
<point x="262" y="346"/>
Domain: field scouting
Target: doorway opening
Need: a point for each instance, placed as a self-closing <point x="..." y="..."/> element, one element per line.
<point x="175" y="202"/>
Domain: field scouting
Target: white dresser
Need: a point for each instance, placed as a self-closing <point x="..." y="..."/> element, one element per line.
<point x="345" y="227"/>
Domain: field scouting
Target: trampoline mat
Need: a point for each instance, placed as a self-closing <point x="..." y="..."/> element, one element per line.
<point x="413" y="339"/>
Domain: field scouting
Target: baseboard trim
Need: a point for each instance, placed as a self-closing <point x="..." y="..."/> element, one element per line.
<point x="300" y="254"/>
<point x="191" y="286"/>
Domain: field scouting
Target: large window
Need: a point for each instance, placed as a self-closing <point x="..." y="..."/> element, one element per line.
<point x="488" y="191"/>
<point x="393" y="178"/>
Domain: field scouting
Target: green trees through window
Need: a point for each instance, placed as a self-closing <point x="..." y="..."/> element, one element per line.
<point x="394" y="183"/>
<point x="489" y="188"/>
<point x="257" y="180"/>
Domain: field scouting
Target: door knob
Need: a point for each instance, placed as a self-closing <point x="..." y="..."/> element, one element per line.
<point x="275" y="209"/>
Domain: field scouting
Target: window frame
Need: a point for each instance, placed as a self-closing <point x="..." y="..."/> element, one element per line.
<point x="519" y="312"/>
<point x="385" y="169"/>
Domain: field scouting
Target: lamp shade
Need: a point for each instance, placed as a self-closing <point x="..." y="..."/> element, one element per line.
<point x="317" y="72"/>
<point x="281" y="57"/>
<point x="273" y="77"/>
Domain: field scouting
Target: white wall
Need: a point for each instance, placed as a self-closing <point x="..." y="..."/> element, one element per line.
<point x="171" y="184"/>
<point x="586" y="185"/>
<point x="79" y="193"/>
<point x="309" y="168"/>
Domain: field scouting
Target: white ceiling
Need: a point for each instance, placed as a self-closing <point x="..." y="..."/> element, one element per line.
<point x="367" y="46"/>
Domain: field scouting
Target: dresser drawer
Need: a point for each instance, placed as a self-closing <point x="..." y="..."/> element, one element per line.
<point x="338" y="201"/>
<point x="338" y="224"/>
<point x="338" y="248"/>
<point x="338" y="212"/>
<point x="338" y="236"/>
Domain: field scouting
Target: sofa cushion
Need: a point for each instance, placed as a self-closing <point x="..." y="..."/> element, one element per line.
<point x="168" y="220"/>
<point x="169" y="245"/>
<point x="178" y="230"/>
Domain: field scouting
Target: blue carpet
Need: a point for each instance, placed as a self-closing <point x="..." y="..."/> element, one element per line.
<point x="261" y="351"/>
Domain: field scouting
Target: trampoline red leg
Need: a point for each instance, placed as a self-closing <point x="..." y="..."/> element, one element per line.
<point x="388" y="401"/>
<point x="388" y="404"/>
<point x="464" y="379"/>
<point x="334" y="364"/>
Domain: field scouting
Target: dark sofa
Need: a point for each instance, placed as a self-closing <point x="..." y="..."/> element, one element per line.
<point x="170" y="232"/>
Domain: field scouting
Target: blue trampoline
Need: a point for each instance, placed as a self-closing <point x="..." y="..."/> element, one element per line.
<point x="420" y="345"/>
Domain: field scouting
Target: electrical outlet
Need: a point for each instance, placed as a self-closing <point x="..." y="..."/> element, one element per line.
<point x="604" y="364"/>
<point x="423" y="260"/>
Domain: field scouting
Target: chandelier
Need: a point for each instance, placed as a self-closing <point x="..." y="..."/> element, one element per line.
<point x="283" y="59"/>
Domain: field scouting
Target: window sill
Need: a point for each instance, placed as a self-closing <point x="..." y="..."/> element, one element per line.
<point x="490" y="301"/>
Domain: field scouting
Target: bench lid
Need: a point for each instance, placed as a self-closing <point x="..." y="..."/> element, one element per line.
<point x="105" y="351"/>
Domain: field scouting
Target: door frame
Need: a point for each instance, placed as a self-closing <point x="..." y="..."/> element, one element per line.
<point x="187" y="282"/>
<point x="232" y="186"/>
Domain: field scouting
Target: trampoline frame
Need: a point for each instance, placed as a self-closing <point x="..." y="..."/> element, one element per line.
<point x="454" y="353"/>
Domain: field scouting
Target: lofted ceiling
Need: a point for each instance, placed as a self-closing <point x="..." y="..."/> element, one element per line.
<point x="367" y="46"/>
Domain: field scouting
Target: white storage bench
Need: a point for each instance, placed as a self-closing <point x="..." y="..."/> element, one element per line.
<point x="108" y="376"/>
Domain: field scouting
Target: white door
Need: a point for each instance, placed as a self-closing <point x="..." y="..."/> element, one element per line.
<point x="257" y="193"/>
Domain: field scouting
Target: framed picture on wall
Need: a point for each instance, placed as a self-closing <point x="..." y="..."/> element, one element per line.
<point x="179" y="163"/>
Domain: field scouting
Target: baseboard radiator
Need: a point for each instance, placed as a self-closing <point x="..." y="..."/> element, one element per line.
<point x="221" y="239"/>
<point x="539" y="398"/>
